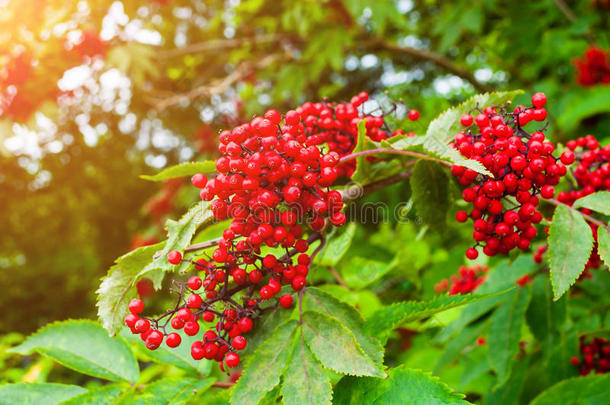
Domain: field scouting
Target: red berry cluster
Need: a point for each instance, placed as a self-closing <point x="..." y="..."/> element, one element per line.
<point x="593" y="68"/>
<point x="523" y="168"/>
<point x="592" y="174"/>
<point x="273" y="181"/>
<point x="466" y="281"/>
<point x="595" y="356"/>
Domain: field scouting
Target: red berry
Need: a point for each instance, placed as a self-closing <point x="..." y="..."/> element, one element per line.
<point x="232" y="360"/>
<point x="199" y="180"/>
<point x="194" y="301"/>
<point x="194" y="283"/>
<point x="539" y="100"/>
<point x="466" y="120"/>
<point x="472" y="253"/>
<point x="142" y="325"/>
<point x="286" y="301"/>
<point x="413" y="115"/>
<point x="174" y="257"/>
<point x="136" y="306"/>
<point x="239" y="343"/>
<point x="245" y="325"/>
<point x="173" y="339"/>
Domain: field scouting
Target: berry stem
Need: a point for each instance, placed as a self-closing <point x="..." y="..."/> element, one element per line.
<point x="202" y="245"/>
<point x="391" y="151"/>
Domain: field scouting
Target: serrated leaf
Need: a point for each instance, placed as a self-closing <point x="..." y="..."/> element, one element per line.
<point x="179" y="235"/>
<point x="265" y="366"/>
<point x="266" y="326"/>
<point x="179" y="356"/>
<point x="544" y="316"/>
<point x="443" y="151"/>
<point x="505" y="332"/>
<point x="598" y="202"/>
<point x="384" y="320"/>
<point x="318" y="300"/>
<point x="361" y="174"/>
<point x="182" y="170"/>
<point x="99" y="396"/>
<point x="305" y="381"/>
<point x="403" y="386"/>
<point x="589" y="390"/>
<point x="603" y="244"/>
<point x="84" y="346"/>
<point x="118" y="287"/>
<point x="175" y="391"/>
<point x="430" y="191"/>
<point x="338" y="243"/>
<point x="39" y="393"/>
<point x="336" y="347"/>
<point x="570" y="244"/>
<point x="444" y="127"/>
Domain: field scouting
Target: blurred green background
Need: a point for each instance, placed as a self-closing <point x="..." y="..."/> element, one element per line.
<point x="95" y="93"/>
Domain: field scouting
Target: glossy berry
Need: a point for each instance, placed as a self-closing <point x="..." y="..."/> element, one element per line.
<point x="199" y="180"/>
<point x="174" y="257"/>
<point x="136" y="306"/>
<point x="239" y="343"/>
<point x="194" y="301"/>
<point x="173" y="340"/>
<point x="286" y="301"/>
<point x="232" y="360"/>
<point x="413" y="115"/>
<point x="194" y="283"/>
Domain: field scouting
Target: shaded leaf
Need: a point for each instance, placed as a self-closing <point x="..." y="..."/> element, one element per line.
<point x="338" y="243"/>
<point x="336" y="347"/>
<point x="305" y="381"/>
<point x="175" y="391"/>
<point x="403" y="386"/>
<point x="570" y="244"/>
<point x="84" y="346"/>
<point x="119" y="286"/>
<point x="39" y="393"/>
<point x="430" y="191"/>
<point x="584" y="103"/>
<point x="265" y="366"/>
<point x="505" y="332"/>
<point x="358" y="272"/>
<point x="590" y="390"/>
<point x="545" y="317"/>
<point x="100" y="396"/>
<point x="603" y="244"/>
<point x="183" y="170"/>
<point x="318" y="300"/>
<point x="384" y="320"/>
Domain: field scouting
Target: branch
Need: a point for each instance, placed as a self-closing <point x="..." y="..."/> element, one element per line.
<point x="202" y="245"/>
<point x="221" y="45"/>
<point x="394" y="152"/>
<point x="589" y="218"/>
<point x="435" y="58"/>
<point x="217" y="86"/>
<point x="338" y="277"/>
<point x="223" y="384"/>
<point x="372" y="187"/>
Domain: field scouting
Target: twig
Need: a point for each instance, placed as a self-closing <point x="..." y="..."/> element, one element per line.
<point x="372" y="187"/>
<point x="203" y="245"/>
<point x="435" y="58"/>
<point x="223" y="384"/>
<point x="391" y="151"/>
<point x="589" y="218"/>
<point x="338" y="277"/>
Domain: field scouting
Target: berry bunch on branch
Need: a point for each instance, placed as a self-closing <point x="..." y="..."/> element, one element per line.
<point x="273" y="187"/>
<point x="505" y="206"/>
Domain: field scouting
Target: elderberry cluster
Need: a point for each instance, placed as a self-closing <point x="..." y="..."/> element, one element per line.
<point x="523" y="168"/>
<point x="273" y="181"/>
<point x="593" y="68"/>
<point x="466" y="281"/>
<point x="594" y="356"/>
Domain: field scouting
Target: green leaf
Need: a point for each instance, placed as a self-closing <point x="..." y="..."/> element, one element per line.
<point x="175" y="391"/>
<point x="546" y="317"/>
<point x="430" y="191"/>
<point x="570" y="244"/>
<point x="318" y="300"/>
<point x="266" y="326"/>
<point x="403" y="386"/>
<point x="384" y="320"/>
<point x="447" y="125"/>
<point x="444" y="128"/>
<point x="179" y="356"/>
<point x="183" y="170"/>
<point x="603" y="244"/>
<point x="84" y="346"/>
<point x="305" y="381"/>
<point x="265" y="366"/>
<point x="505" y="332"/>
<point x="118" y="287"/>
<point x="336" y="347"/>
<point x="100" y="396"/>
<point x="590" y="390"/>
<point x="598" y="202"/>
<point x="338" y="243"/>
<point x="39" y="393"/>
<point x="358" y="272"/>
<point x="510" y="392"/>
<point x="363" y="167"/>
<point x="455" y="346"/>
<point x="179" y="235"/>
<point x="584" y="103"/>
